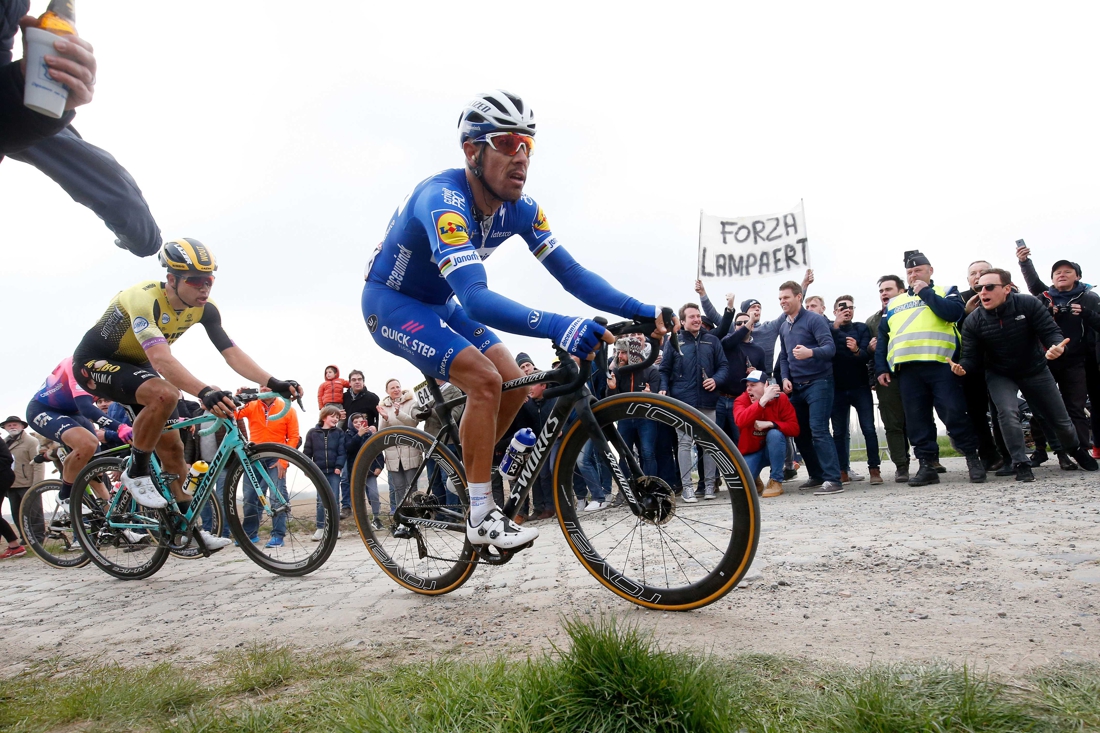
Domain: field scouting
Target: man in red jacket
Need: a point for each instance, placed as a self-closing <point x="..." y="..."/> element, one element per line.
<point x="766" y="418"/>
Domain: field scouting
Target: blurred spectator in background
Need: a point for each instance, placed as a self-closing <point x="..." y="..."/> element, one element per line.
<point x="691" y="375"/>
<point x="1076" y="310"/>
<point x="889" y="393"/>
<point x="851" y="389"/>
<point x="284" y="431"/>
<point x="331" y="391"/>
<point x="806" y="366"/>
<point x="401" y="460"/>
<point x="766" y="420"/>
<point x="24" y="449"/>
<point x="324" y="445"/>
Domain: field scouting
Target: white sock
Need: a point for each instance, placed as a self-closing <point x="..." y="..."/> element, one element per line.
<point x="481" y="501"/>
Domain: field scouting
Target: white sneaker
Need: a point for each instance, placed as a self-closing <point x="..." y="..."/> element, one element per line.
<point x="595" y="506"/>
<point x="144" y="491"/>
<point x="499" y="531"/>
<point x="214" y="542"/>
<point x="318" y="535"/>
<point x="709" y="495"/>
<point x="689" y="499"/>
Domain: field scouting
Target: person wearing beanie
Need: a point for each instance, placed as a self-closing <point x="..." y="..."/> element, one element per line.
<point x="523" y="361"/>
<point x="1076" y="311"/>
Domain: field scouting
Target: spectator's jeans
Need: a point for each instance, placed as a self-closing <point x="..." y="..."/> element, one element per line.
<point x="666" y="456"/>
<point x="813" y="404"/>
<point x="542" y="493"/>
<point x="400" y="481"/>
<point x="372" y="494"/>
<point x="928" y="384"/>
<point x="723" y="417"/>
<point x="684" y="456"/>
<point x="15" y="499"/>
<point x="437" y="484"/>
<point x="977" y="405"/>
<point x="1071" y="381"/>
<point x="595" y="472"/>
<point x="1041" y="393"/>
<point x="774" y="454"/>
<point x="251" y="523"/>
<point x="640" y="435"/>
<point x="334" y="487"/>
<point x="219" y="496"/>
<point x="893" y="419"/>
<point x="345" y="484"/>
<point x="859" y="398"/>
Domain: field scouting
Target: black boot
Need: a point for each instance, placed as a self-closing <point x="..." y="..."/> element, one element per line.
<point x="1064" y="461"/>
<point x="1085" y="459"/>
<point x="925" y="475"/>
<point x="901" y="476"/>
<point x="1023" y="472"/>
<point x="975" y="468"/>
<point x="1038" y="457"/>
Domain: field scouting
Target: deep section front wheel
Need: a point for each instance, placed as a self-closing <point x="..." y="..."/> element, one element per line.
<point x="668" y="554"/>
<point x="416" y="534"/>
<point x="46" y="525"/>
<point x="122" y="538"/>
<point x="281" y="509"/>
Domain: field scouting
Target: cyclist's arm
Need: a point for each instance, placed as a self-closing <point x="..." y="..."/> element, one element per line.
<point x="86" y="405"/>
<point x="169" y="367"/>
<point x="590" y="288"/>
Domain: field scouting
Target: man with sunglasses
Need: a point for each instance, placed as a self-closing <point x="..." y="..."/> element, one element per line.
<point x="426" y="296"/>
<point x="1016" y="339"/>
<point x="124" y="355"/>
<point x="851" y="389"/>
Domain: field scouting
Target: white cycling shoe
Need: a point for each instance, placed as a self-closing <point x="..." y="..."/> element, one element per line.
<point x="213" y="542"/>
<point x="144" y="491"/>
<point x="499" y="531"/>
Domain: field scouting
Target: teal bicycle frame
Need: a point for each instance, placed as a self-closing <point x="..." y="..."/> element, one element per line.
<point x="232" y="445"/>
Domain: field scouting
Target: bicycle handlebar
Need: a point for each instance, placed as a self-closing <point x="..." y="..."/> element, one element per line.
<point x="247" y="397"/>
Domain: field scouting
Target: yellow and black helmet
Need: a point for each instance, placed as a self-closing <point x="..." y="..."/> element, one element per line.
<point x="187" y="257"/>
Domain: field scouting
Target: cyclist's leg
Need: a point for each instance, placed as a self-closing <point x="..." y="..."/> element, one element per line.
<point x="76" y="432"/>
<point x="170" y="452"/>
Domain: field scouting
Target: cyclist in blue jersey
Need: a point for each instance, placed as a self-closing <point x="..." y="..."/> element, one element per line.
<point x="426" y="297"/>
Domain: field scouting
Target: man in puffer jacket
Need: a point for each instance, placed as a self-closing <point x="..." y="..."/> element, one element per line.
<point x="692" y="375"/>
<point x="1014" y="337"/>
<point x="331" y="391"/>
<point x="324" y="445"/>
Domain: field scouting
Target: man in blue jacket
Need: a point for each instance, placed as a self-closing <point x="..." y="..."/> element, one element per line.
<point x="806" y="366"/>
<point x="693" y="377"/>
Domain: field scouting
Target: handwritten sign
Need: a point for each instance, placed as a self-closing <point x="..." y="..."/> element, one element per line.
<point x="742" y="247"/>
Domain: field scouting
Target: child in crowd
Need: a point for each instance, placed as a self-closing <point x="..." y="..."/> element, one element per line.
<point x="331" y="391"/>
<point x="324" y="445"/>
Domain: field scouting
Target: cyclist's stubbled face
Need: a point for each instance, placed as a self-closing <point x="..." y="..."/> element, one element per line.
<point x="192" y="295"/>
<point x="505" y="174"/>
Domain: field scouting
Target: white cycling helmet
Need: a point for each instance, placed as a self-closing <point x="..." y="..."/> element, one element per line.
<point x="494" y="111"/>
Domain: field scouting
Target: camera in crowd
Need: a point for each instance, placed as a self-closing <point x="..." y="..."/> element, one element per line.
<point x="1060" y="309"/>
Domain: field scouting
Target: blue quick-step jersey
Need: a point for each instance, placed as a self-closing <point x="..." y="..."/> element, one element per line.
<point x="434" y="248"/>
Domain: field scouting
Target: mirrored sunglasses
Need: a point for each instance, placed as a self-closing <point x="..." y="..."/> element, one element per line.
<point x="508" y="143"/>
<point x="199" y="281"/>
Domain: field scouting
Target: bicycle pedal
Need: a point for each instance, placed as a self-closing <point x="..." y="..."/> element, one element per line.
<point x="403" y="532"/>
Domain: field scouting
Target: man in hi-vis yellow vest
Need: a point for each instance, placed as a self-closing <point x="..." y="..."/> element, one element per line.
<point x="917" y="336"/>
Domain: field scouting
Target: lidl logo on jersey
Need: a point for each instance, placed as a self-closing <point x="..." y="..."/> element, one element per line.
<point x="452" y="228"/>
<point x="541" y="225"/>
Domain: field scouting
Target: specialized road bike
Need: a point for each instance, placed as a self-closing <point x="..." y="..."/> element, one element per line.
<point x="654" y="550"/>
<point x="270" y="490"/>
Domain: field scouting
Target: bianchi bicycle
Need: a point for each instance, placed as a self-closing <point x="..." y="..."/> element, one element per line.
<point x="269" y="491"/>
<point x="653" y="550"/>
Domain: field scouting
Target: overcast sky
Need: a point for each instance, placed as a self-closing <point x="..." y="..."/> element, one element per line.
<point x="285" y="138"/>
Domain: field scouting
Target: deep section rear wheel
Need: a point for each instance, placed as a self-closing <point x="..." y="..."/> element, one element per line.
<point x="418" y="536"/>
<point x="673" y="556"/>
<point x="277" y="530"/>
<point x="124" y="539"/>
<point x="45" y="523"/>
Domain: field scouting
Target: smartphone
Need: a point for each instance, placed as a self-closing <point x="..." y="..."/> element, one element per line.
<point x="1020" y="244"/>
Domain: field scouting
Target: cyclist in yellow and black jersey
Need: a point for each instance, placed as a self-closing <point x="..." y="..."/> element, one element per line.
<point x="124" y="356"/>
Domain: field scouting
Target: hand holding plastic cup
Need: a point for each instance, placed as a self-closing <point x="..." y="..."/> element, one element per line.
<point x="42" y="93"/>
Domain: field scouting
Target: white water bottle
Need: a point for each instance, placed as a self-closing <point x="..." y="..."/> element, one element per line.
<point x="516" y="453"/>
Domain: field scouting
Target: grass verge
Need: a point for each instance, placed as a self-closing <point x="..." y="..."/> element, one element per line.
<point x="611" y="678"/>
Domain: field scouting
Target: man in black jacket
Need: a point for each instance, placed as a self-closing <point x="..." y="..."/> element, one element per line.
<point x="743" y="357"/>
<point x="991" y="446"/>
<point x="1076" y="310"/>
<point x="851" y="389"/>
<point x="692" y="375"/>
<point x="1008" y="335"/>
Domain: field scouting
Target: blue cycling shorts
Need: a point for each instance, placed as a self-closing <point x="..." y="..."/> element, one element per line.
<point x="428" y="336"/>
<point x="50" y="423"/>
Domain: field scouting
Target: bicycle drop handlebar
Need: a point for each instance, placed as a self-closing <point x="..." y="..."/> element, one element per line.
<point x="644" y="326"/>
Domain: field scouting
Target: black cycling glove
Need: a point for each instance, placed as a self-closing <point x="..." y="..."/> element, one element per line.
<point x="210" y="396"/>
<point x="278" y="385"/>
